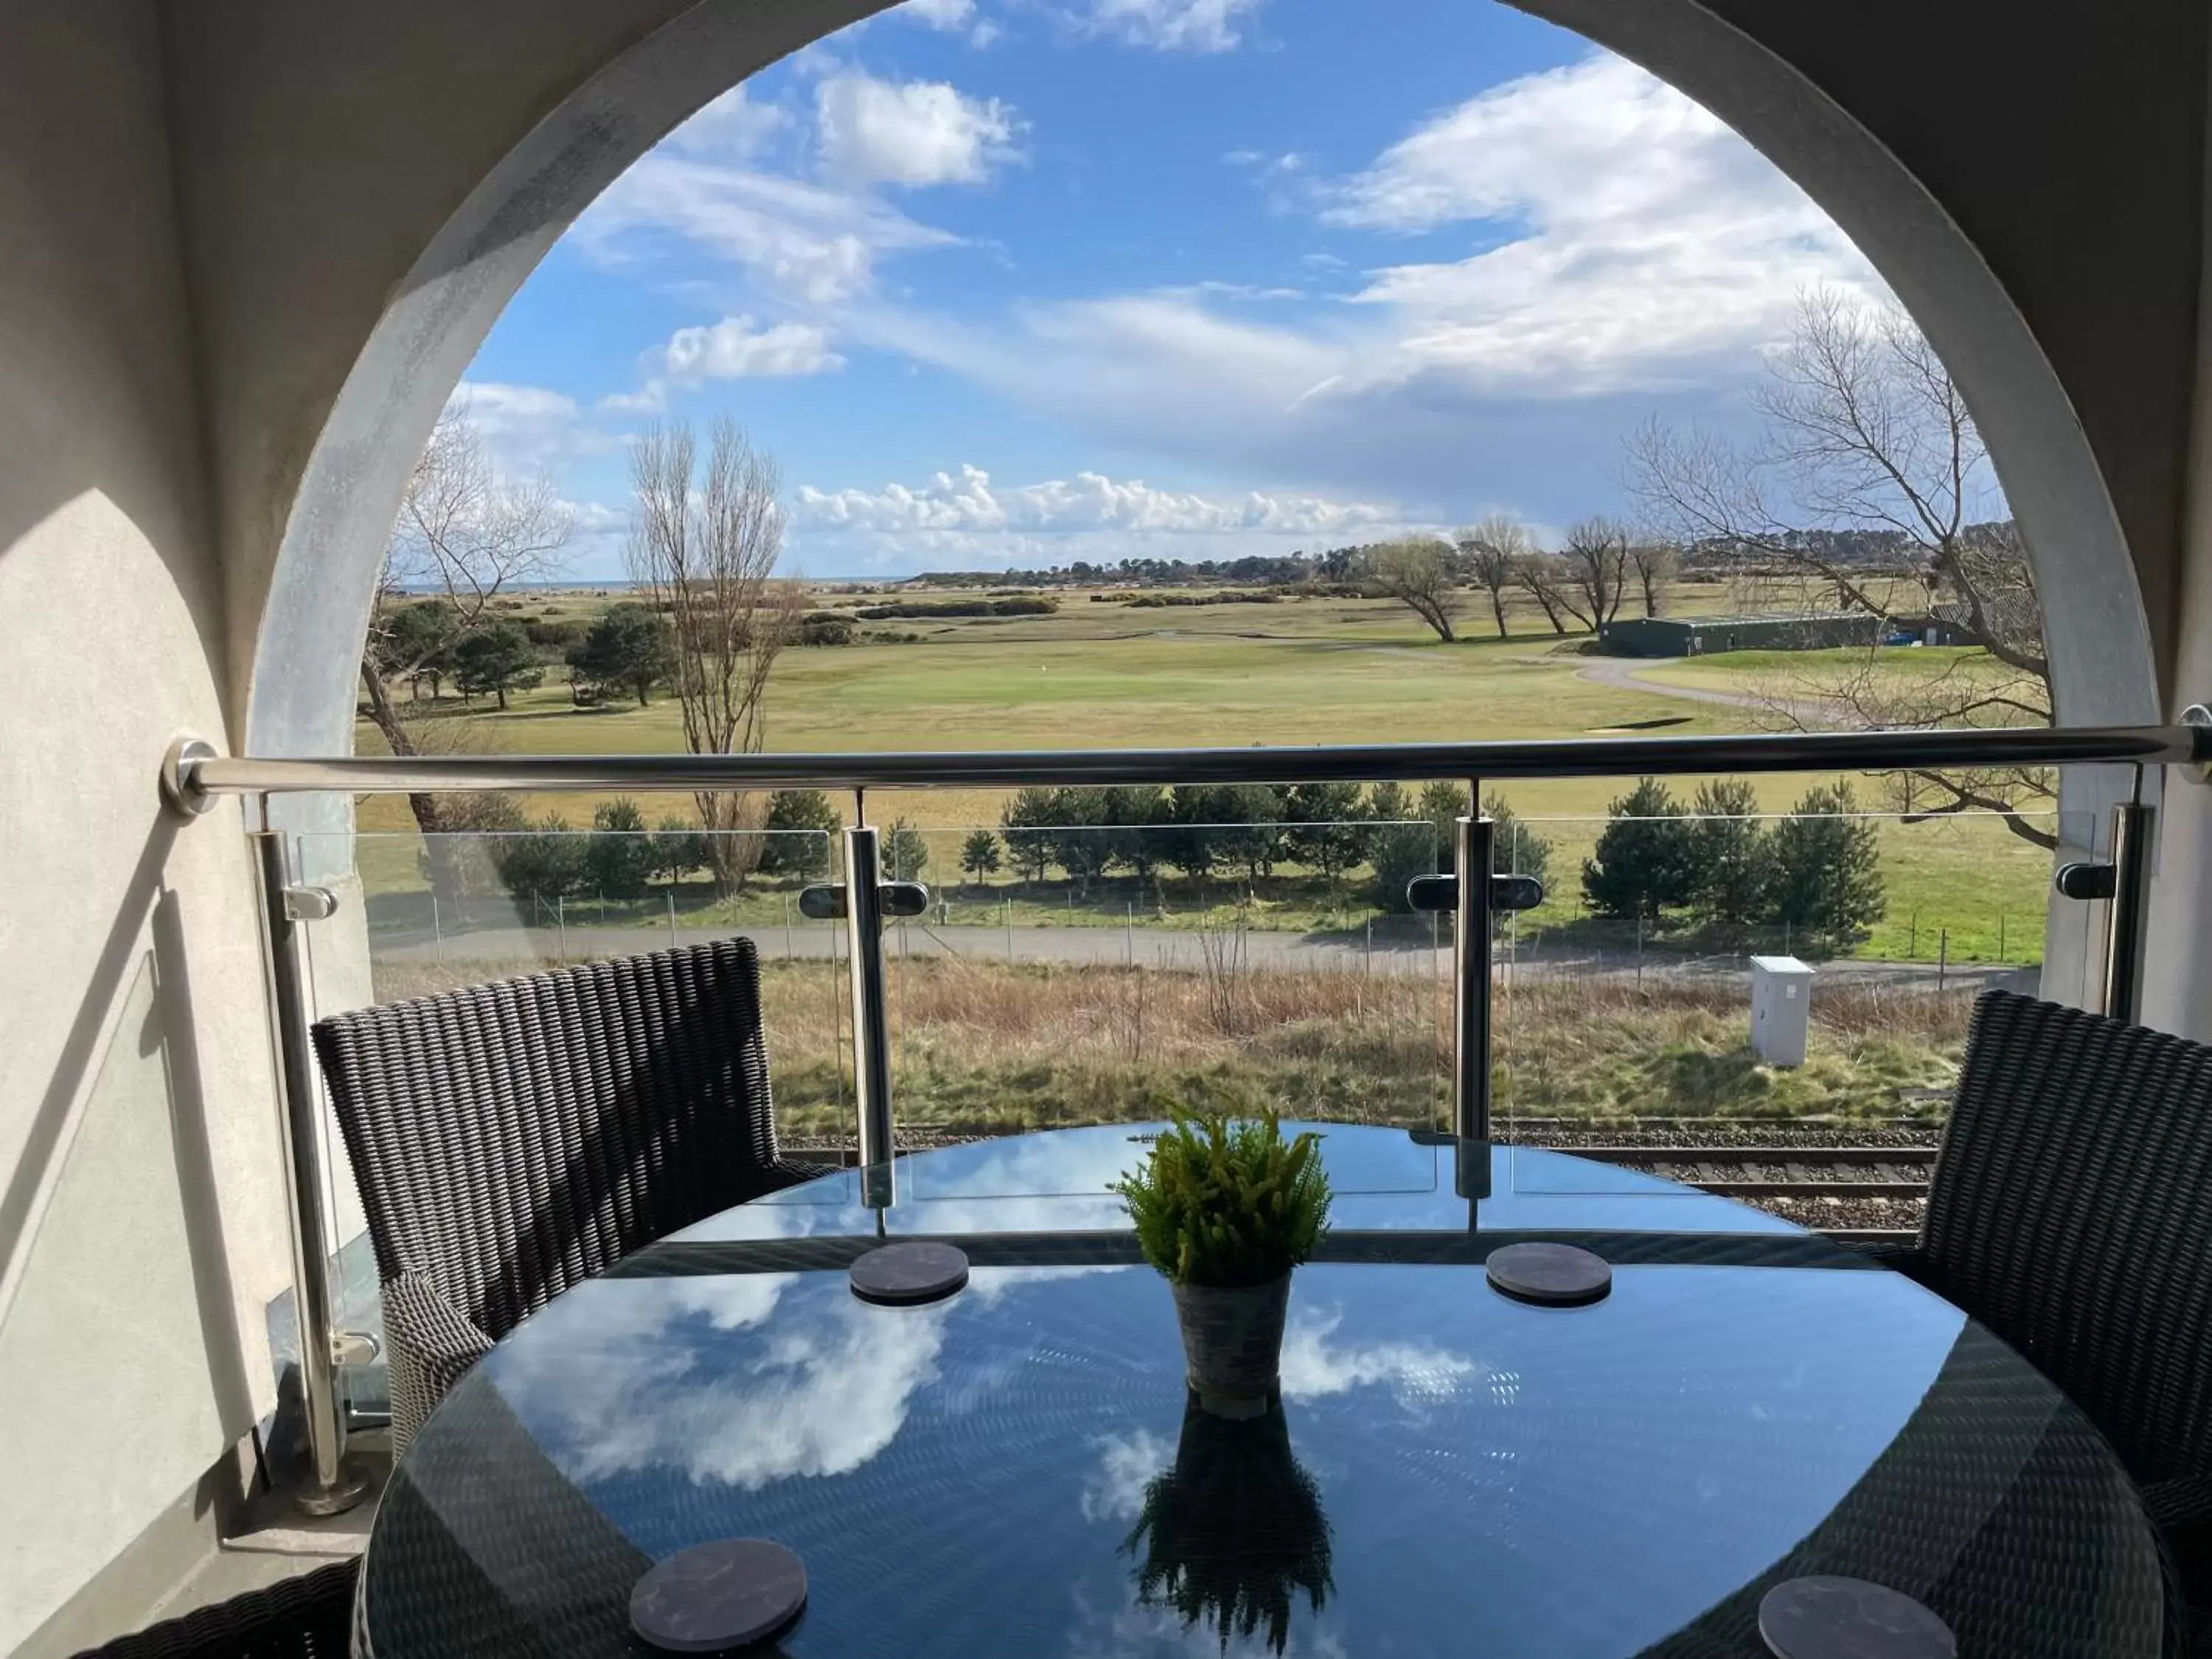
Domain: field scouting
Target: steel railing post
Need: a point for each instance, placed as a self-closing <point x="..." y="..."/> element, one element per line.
<point x="1471" y="974"/>
<point x="2132" y="827"/>
<point x="333" y="1485"/>
<point x="871" y="1041"/>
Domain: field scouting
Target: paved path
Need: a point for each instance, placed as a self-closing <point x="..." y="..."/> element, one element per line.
<point x="1622" y="674"/>
<point x="1396" y="948"/>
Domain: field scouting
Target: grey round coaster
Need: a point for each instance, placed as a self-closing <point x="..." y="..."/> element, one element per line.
<point x="901" y="1275"/>
<point x="729" y="1594"/>
<point x="1826" y="1617"/>
<point x="1550" y="1275"/>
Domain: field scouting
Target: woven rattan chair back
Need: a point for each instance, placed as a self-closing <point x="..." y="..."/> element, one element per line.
<point x="2071" y="1212"/>
<point x="514" y="1138"/>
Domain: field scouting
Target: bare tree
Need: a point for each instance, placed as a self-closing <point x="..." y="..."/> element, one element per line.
<point x="1489" y="551"/>
<point x="464" y="534"/>
<point x="1656" y="563"/>
<point x="703" y="547"/>
<point x="1596" y="558"/>
<point x="1417" y="573"/>
<point x="1866" y="431"/>
<point x="1540" y="576"/>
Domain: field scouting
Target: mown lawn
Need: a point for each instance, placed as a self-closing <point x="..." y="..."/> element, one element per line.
<point x="1313" y="671"/>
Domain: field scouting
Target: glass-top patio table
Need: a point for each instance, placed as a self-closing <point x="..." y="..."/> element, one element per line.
<point x="1017" y="1470"/>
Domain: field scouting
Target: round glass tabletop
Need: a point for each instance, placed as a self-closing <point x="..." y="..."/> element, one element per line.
<point x="1017" y="1470"/>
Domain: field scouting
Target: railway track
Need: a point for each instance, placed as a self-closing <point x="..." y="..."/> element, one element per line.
<point x="1856" y="1183"/>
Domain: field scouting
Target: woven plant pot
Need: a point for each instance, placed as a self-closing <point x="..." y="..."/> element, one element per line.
<point x="1233" y="1339"/>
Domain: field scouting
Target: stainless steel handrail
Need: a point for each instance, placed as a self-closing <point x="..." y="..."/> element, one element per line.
<point x="198" y="776"/>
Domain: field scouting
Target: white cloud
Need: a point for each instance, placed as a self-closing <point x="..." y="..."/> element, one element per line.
<point x="970" y="503"/>
<point x="1639" y="235"/>
<point x="735" y="349"/>
<point x="827" y="1394"/>
<point x="1171" y="25"/>
<point x="1315" y="1366"/>
<point x="528" y="429"/>
<point x="910" y="133"/>
<point x="733" y="128"/>
<point x="1623" y="252"/>
<point x="805" y="241"/>
<point x="945" y="14"/>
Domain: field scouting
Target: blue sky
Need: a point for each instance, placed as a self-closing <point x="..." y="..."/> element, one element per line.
<point x="1016" y="282"/>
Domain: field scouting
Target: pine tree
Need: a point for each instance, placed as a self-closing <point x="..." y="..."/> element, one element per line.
<point x="978" y="856"/>
<point x="801" y="824"/>
<point x="1323" y="826"/>
<point x="1644" y="862"/>
<point x="618" y="861"/>
<point x="1024" y="822"/>
<point x="1827" y="870"/>
<point x="1732" y="856"/>
<point x="906" y="852"/>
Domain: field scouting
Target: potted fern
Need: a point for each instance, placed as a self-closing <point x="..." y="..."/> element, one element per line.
<point x="1225" y="1208"/>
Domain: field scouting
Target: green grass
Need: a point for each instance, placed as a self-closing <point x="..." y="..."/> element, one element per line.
<point x="1299" y="672"/>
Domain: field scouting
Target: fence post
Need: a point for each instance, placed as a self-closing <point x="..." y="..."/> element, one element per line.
<point x="2132" y="826"/>
<point x="1942" y="956"/>
<point x="334" y="1485"/>
<point x="672" y="916"/>
<point x="872" y="1045"/>
<point x="1477" y="840"/>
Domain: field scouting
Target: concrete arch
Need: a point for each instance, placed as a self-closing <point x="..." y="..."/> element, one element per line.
<point x="301" y="687"/>
<point x="306" y="642"/>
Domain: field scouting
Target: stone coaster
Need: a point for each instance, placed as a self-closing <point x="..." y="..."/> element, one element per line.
<point x="901" y="1275"/>
<point x="1550" y="1275"/>
<point x="1849" y="1618"/>
<point x="729" y="1594"/>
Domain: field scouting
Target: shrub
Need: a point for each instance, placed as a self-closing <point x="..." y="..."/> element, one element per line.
<point x="1028" y="605"/>
<point x="1227" y="1202"/>
<point x="545" y="864"/>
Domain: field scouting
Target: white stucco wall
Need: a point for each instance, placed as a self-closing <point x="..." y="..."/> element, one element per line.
<point x="141" y="1213"/>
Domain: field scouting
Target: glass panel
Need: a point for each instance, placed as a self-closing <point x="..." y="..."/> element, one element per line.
<point x="1097" y="973"/>
<point x="1649" y="1014"/>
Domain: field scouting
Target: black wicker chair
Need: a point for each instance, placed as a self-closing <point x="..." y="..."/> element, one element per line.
<point x="512" y="1139"/>
<point x="310" y="1616"/>
<point x="2071" y="1213"/>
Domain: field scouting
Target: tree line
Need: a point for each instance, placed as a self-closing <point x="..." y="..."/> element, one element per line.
<point x="1241" y="831"/>
<point x="1717" y="865"/>
<point x="1817" y="871"/>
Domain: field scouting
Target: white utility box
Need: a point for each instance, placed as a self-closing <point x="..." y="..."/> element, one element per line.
<point x="1781" y="1009"/>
